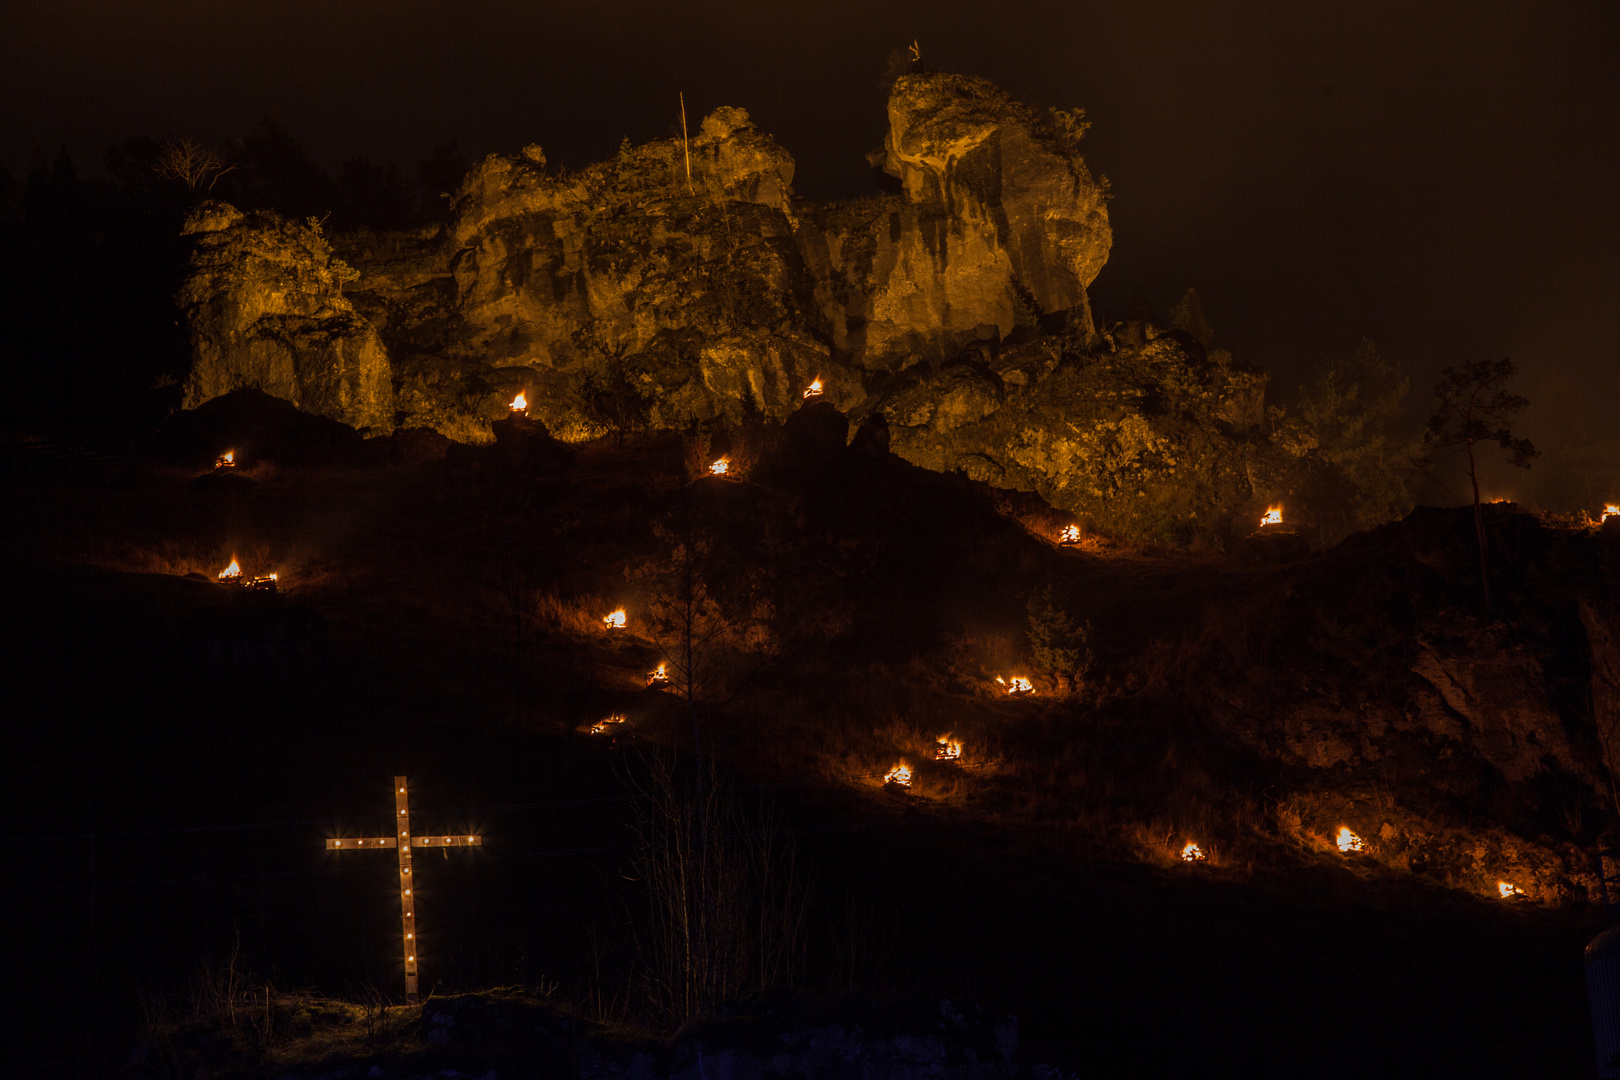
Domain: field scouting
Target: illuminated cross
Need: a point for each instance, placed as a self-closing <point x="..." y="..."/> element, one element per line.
<point x="403" y="843"/>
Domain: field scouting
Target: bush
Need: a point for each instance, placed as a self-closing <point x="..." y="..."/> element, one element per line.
<point x="1058" y="646"/>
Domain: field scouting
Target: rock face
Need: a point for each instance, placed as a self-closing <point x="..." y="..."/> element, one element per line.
<point x="999" y="223"/>
<point x="1154" y="440"/>
<point x="265" y="306"/>
<point x="679" y="283"/>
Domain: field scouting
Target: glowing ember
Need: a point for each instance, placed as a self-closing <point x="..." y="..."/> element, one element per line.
<point x="1018" y="687"/>
<point x="614" y="620"/>
<point x="1508" y="890"/>
<point x="519" y="404"/>
<point x="1273" y="517"/>
<point x="947" y="750"/>
<point x="602" y="726"/>
<point x="658" y="676"/>
<point x="1193" y="853"/>
<point x="227" y="460"/>
<point x="719" y="467"/>
<point x="1069" y="535"/>
<point x="1349" y="841"/>
<point x="814" y="389"/>
<point x="232" y="572"/>
<point x="900" y="776"/>
<point x="1612" y="510"/>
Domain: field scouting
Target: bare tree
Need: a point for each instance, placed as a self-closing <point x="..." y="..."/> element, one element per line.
<point x="726" y="894"/>
<point x="1474" y="407"/>
<point x="189" y="163"/>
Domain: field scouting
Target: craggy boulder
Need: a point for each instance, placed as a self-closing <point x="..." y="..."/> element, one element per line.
<point x="264" y="303"/>
<point x="1138" y="439"/>
<point x="999" y="225"/>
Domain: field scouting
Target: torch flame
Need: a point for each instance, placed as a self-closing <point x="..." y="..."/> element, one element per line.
<point x="1349" y="841"/>
<point x="227" y="460"/>
<point x="1193" y="853"/>
<point x="1018" y="686"/>
<point x="614" y="620"/>
<point x="947" y="750"/>
<point x="231" y="572"/>
<point x="900" y="775"/>
<point x="1609" y="511"/>
<point x="1069" y="535"/>
<point x="1508" y="890"/>
<point x="519" y="403"/>
<point x="606" y="722"/>
<point x="658" y="675"/>
<point x="719" y="467"/>
<point x="814" y="389"/>
<point x="1273" y="517"/>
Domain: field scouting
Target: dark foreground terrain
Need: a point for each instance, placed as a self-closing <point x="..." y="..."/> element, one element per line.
<point x="177" y="751"/>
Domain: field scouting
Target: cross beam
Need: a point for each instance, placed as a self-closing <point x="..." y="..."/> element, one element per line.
<point x="403" y="843"/>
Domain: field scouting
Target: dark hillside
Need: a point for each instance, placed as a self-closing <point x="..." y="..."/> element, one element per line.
<point x="180" y="749"/>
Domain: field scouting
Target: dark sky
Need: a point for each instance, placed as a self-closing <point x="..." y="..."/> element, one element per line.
<point x="1440" y="176"/>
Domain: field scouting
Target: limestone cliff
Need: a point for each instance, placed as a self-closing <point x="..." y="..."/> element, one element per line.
<point x="999" y="223"/>
<point x="264" y="303"/>
<point x="680" y="282"/>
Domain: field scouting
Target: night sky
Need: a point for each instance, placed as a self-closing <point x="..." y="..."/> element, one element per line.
<point x="1440" y="177"/>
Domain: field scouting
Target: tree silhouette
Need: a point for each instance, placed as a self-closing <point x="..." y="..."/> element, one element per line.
<point x="1474" y="406"/>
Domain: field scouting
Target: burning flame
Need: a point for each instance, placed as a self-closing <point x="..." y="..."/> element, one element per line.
<point x="658" y="676"/>
<point x="606" y="722"/>
<point x="814" y="389"/>
<point x="719" y="467"/>
<point x="1273" y="517"/>
<point x="899" y="775"/>
<point x="231" y="572"/>
<point x="1018" y="687"/>
<point x="227" y="460"/>
<point x="1609" y="511"/>
<point x="1508" y="890"/>
<point x="614" y="620"/>
<point x="1349" y="841"/>
<point x="519" y="403"/>
<point x="1069" y="535"/>
<point x="1193" y="853"/>
<point x="946" y="750"/>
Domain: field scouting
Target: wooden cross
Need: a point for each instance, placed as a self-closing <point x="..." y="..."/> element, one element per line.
<point x="403" y="843"/>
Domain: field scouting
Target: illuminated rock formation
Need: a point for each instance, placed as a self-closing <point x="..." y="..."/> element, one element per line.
<point x="266" y="311"/>
<point x="998" y="227"/>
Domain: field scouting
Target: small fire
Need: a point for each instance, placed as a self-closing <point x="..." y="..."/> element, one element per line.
<point x="1069" y="535"/>
<point x="614" y="620"/>
<point x="227" y="460"/>
<point x="1018" y="687"/>
<point x="900" y="775"/>
<point x="1611" y="510"/>
<point x="1349" y="841"/>
<point x="658" y="676"/>
<point x="519" y="404"/>
<point x="814" y="389"/>
<point x="602" y="725"/>
<point x="947" y="750"/>
<point x="1273" y="517"/>
<point x="231" y="572"/>
<point x="1508" y="890"/>
<point x="719" y="467"/>
<point x="1193" y="853"/>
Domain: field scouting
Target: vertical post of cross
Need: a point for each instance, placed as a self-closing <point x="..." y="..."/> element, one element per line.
<point x="407" y="891"/>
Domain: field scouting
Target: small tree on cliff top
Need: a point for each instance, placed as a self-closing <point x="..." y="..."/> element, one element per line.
<point x="1474" y="406"/>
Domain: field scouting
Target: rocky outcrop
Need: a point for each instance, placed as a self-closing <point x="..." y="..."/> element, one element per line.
<point x="998" y="225"/>
<point x="266" y="311"/>
<point x="1155" y="440"/>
